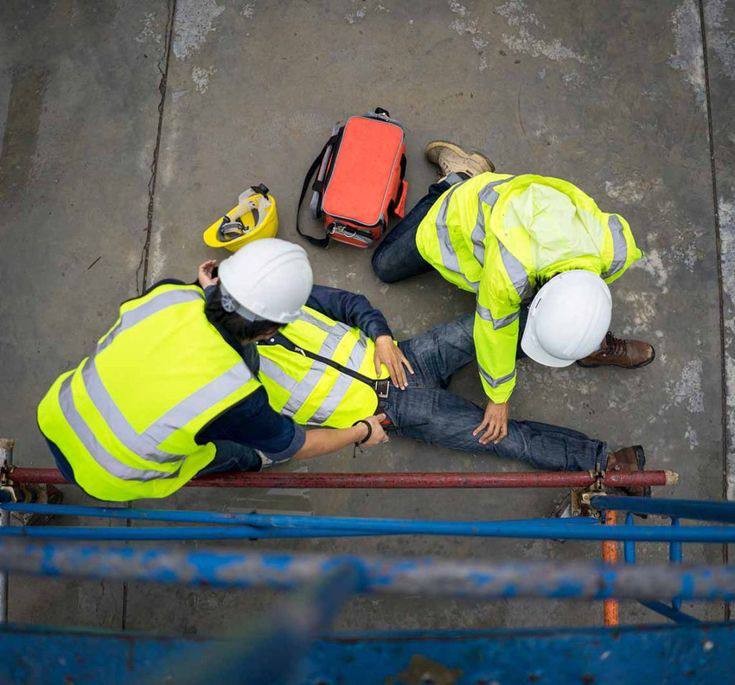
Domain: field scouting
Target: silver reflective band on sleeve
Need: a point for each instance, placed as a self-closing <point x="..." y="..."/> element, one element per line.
<point x="485" y="313"/>
<point x="489" y="196"/>
<point x="620" y="247"/>
<point x="93" y="446"/>
<point x="478" y="236"/>
<point x="495" y="382"/>
<point x="448" y="255"/>
<point x="143" y="311"/>
<point x="516" y="272"/>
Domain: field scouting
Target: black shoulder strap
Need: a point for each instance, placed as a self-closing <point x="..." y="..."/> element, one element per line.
<point x="319" y="242"/>
<point x="280" y="339"/>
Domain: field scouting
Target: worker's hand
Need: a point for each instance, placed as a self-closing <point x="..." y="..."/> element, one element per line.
<point x="388" y="353"/>
<point x="494" y="426"/>
<point x="378" y="435"/>
<point x="205" y="276"/>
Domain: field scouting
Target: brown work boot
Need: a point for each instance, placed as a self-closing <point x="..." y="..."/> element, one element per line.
<point x="451" y="158"/>
<point x="629" y="354"/>
<point x="629" y="460"/>
<point x="36" y="494"/>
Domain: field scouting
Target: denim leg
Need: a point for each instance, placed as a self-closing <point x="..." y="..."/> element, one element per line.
<point x="397" y="257"/>
<point x="443" y="350"/>
<point x="232" y="456"/>
<point x="442" y="418"/>
<point x="440" y="352"/>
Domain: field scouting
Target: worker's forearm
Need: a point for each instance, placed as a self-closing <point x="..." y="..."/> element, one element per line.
<point x="326" y="440"/>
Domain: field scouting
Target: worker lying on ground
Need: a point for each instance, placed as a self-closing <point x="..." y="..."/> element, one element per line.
<point x="170" y="392"/>
<point x="337" y="363"/>
<point x="514" y="240"/>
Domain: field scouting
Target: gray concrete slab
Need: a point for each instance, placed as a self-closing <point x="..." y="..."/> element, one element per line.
<point x="611" y="95"/>
<point x="78" y="106"/>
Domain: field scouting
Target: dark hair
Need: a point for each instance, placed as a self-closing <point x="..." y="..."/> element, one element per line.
<point x="232" y="322"/>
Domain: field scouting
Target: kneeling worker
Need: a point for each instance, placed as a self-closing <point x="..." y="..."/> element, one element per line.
<point x="337" y="363"/>
<point x="171" y="391"/>
<point x="518" y="242"/>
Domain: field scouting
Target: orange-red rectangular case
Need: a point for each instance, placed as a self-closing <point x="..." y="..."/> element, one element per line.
<point x="361" y="180"/>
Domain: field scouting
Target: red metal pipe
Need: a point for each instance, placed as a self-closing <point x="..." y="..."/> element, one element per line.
<point x="416" y="480"/>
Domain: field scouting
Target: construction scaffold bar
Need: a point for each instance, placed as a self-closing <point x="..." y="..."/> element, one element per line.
<point x="723" y="512"/>
<point x="253" y="526"/>
<point x="426" y="576"/>
<point x="406" y="480"/>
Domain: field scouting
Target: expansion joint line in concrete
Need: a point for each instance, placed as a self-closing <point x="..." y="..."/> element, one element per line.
<point x="726" y="438"/>
<point x="141" y="273"/>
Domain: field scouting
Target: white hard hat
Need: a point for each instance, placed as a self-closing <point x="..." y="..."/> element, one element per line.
<point x="268" y="279"/>
<point x="567" y="319"/>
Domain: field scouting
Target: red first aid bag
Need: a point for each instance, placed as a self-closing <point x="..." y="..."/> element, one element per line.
<point x="360" y="181"/>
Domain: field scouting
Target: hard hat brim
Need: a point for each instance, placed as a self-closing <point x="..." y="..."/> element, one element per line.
<point x="530" y="345"/>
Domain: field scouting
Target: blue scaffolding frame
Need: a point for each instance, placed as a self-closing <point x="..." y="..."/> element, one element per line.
<point x="276" y="647"/>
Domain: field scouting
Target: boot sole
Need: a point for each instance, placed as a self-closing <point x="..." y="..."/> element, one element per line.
<point x="629" y="368"/>
<point x="474" y="155"/>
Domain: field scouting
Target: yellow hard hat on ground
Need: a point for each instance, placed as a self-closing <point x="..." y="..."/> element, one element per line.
<point x="254" y="217"/>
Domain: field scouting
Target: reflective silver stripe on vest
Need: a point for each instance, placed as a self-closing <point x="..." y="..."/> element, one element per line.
<point x="153" y="306"/>
<point x="198" y="402"/>
<point x="146" y="444"/>
<point x="271" y="370"/>
<point x="495" y="382"/>
<point x="620" y="247"/>
<point x="503" y="321"/>
<point x="93" y="446"/>
<point x="141" y="445"/>
<point x="323" y="325"/>
<point x="338" y="391"/>
<point x="489" y="197"/>
<point x="516" y="272"/>
<point x="448" y="255"/>
<point x="299" y="391"/>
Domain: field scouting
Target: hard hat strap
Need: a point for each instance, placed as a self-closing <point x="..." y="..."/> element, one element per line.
<point x="230" y="304"/>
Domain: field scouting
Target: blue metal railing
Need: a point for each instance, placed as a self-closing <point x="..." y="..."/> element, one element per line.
<point x="428" y="577"/>
<point x="675" y="510"/>
<point x="549" y="580"/>
<point x="261" y="526"/>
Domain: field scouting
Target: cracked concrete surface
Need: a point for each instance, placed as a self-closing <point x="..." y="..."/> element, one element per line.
<point x="615" y="96"/>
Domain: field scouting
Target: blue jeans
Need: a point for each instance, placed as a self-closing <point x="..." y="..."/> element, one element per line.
<point x="427" y="411"/>
<point x="397" y="257"/>
<point x="232" y="456"/>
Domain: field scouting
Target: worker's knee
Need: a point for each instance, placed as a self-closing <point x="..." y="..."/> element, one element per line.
<point x="382" y="267"/>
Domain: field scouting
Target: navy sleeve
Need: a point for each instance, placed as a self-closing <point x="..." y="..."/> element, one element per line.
<point x="349" y="308"/>
<point x="253" y="423"/>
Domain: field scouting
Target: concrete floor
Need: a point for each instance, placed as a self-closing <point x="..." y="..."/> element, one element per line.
<point x="109" y="173"/>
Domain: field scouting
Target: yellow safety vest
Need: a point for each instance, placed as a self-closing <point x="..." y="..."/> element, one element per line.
<point x="311" y="391"/>
<point x="126" y="417"/>
<point x="503" y="237"/>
